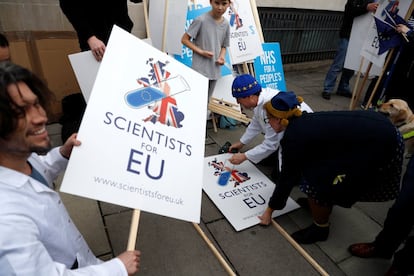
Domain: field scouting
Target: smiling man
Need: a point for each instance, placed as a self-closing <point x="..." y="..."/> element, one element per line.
<point x="37" y="236"/>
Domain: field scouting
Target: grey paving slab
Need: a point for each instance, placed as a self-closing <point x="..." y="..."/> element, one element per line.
<point x="259" y="251"/>
<point x="169" y="246"/>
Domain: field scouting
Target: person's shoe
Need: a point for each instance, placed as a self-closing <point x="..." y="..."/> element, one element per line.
<point x="311" y="234"/>
<point x="367" y="250"/>
<point x="326" y="95"/>
<point x="346" y="94"/>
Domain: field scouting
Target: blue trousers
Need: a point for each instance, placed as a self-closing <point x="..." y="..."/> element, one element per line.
<point x="336" y="68"/>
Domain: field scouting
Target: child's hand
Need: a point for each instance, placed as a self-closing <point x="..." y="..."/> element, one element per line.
<point x="207" y="54"/>
<point x="220" y="61"/>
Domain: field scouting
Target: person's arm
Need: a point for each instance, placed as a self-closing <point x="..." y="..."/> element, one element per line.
<point x="355" y="8"/>
<point x="222" y="56"/>
<point x="403" y="29"/>
<point x="186" y="40"/>
<point x="77" y="13"/>
<point x="80" y="16"/>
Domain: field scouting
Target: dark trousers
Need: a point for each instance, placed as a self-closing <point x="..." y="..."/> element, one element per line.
<point x="399" y="220"/>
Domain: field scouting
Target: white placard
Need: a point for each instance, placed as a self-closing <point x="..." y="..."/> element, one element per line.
<point x="244" y="196"/>
<point x="142" y="133"/>
<point x="245" y="44"/>
<point x="174" y="12"/>
<point x="86" y="68"/>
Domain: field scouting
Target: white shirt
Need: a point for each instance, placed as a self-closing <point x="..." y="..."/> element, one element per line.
<point x="257" y="126"/>
<point x="37" y="236"/>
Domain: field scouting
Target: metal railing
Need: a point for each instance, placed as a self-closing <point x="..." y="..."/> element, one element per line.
<point x="304" y="35"/>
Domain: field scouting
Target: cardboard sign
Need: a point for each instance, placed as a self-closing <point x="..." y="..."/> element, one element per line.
<point x="245" y="42"/>
<point x="240" y="192"/>
<point x="142" y="133"/>
<point x="268" y="67"/>
<point x="86" y="68"/>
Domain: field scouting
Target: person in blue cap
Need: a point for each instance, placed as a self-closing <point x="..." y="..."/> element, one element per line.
<point x="250" y="95"/>
<point x="334" y="158"/>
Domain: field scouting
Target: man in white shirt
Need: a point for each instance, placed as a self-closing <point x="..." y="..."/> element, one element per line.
<point x="249" y="93"/>
<point x="37" y="236"/>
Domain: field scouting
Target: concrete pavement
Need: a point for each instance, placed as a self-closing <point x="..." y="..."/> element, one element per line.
<point x="173" y="247"/>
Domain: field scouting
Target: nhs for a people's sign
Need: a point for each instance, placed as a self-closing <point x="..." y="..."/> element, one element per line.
<point x="269" y="69"/>
<point x="142" y="133"/>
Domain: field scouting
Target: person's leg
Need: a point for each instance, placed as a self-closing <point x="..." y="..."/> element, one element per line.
<point x="403" y="259"/>
<point x="211" y="86"/>
<point x="336" y="67"/>
<point x="319" y="230"/>
<point x="343" y="87"/>
<point x="397" y="224"/>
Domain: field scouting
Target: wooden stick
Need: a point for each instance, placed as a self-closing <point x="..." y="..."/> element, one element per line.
<point x="384" y="68"/>
<point x="214" y="249"/>
<point x="253" y="6"/>
<point x="352" y="103"/>
<point x="164" y="31"/>
<point x="133" y="230"/>
<point x="147" y="27"/>
<point x="300" y="249"/>
<point x="358" y="95"/>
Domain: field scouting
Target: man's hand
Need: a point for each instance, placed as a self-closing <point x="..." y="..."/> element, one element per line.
<point x="238" y="158"/>
<point x="97" y="47"/>
<point x="66" y="149"/>
<point x="372" y="7"/>
<point x="131" y="260"/>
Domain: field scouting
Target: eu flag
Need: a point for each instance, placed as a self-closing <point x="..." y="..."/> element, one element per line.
<point x="143" y="96"/>
<point x="388" y="37"/>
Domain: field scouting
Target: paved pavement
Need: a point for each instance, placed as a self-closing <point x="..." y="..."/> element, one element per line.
<point x="174" y="247"/>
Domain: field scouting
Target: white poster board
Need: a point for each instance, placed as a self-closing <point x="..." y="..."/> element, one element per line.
<point x="143" y="128"/>
<point x="222" y="90"/>
<point x="244" y="196"/>
<point x="174" y="12"/>
<point x="245" y="44"/>
<point x="86" y="68"/>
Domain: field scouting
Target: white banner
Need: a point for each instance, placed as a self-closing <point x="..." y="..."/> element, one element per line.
<point x="240" y="192"/>
<point x="142" y="133"/>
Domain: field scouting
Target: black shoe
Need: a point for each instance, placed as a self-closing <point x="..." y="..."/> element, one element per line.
<point x="311" y="234"/>
<point x="326" y="95"/>
<point x="346" y="94"/>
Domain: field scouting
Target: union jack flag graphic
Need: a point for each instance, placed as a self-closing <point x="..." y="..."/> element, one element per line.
<point x="236" y="176"/>
<point x="165" y="110"/>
